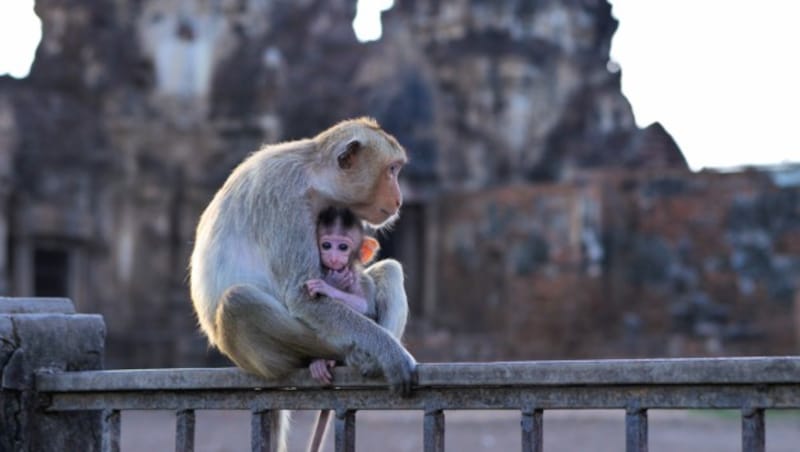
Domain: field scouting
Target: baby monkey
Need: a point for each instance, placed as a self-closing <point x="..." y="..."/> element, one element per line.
<point x="344" y="249"/>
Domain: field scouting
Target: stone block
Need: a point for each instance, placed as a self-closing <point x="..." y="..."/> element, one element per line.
<point x="31" y="340"/>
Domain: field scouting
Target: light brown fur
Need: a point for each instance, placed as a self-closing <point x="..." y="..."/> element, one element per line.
<point x="255" y="248"/>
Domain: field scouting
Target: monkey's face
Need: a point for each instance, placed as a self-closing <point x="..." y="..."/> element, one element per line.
<point x="367" y="165"/>
<point x="337" y="250"/>
<point x="384" y="204"/>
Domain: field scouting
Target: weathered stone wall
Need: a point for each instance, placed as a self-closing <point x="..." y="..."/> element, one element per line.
<point x="7" y="146"/>
<point x="135" y="113"/>
<point x="516" y="90"/>
<point x="519" y="266"/>
<point x="708" y="262"/>
<point x="620" y="264"/>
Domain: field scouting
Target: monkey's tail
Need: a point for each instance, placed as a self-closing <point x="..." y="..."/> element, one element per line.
<point x="320" y="429"/>
<point x="280" y="424"/>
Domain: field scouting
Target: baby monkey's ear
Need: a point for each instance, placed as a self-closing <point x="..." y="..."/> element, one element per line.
<point x="369" y="249"/>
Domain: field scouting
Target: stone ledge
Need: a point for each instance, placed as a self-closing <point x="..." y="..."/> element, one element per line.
<point x="9" y="305"/>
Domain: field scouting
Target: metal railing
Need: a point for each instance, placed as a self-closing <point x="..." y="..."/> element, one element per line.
<point x="751" y="385"/>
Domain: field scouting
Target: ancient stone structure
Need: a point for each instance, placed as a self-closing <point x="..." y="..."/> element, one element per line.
<point x="135" y="112"/>
<point x="45" y="335"/>
<point x="620" y="263"/>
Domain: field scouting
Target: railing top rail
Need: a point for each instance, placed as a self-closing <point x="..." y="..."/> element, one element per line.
<point x="706" y="371"/>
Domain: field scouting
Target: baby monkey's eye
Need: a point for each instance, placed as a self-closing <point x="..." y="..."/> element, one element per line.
<point x="343" y="247"/>
<point x="326" y="245"/>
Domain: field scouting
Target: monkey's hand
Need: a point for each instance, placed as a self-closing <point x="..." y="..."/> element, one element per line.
<point x="344" y="280"/>
<point x="400" y="370"/>
<point x="396" y="364"/>
<point x="320" y="370"/>
<point x="319" y="287"/>
<point x="366" y="364"/>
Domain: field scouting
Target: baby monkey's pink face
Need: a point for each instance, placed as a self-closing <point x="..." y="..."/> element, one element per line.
<point x="337" y="250"/>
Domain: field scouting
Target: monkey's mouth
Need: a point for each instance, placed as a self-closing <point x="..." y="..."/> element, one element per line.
<point x="385" y="217"/>
<point x="376" y="216"/>
<point x="389" y="215"/>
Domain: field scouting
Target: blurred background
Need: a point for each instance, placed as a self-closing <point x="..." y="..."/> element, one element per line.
<point x="543" y="220"/>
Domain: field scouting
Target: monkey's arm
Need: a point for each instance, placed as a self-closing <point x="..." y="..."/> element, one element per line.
<point x="351" y="300"/>
<point x="388" y="296"/>
<point x="334" y="326"/>
<point x="345" y="280"/>
<point x="351" y="333"/>
<point x="367" y="286"/>
<point x="354" y="302"/>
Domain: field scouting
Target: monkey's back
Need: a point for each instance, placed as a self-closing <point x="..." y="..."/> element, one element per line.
<point x="248" y="211"/>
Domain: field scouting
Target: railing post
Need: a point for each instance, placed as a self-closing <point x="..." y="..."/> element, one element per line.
<point x="532" y="430"/>
<point x="753" y="431"/>
<point x="45" y="332"/>
<point x="262" y="436"/>
<point x="111" y="431"/>
<point x="636" y="430"/>
<point x="434" y="431"/>
<point x="184" y="431"/>
<point x="345" y="440"/>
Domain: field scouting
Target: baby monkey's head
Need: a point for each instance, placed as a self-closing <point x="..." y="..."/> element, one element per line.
<point x="341" y="239"/>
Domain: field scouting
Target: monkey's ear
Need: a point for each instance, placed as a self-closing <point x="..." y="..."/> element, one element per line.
<point x="369" y="248"/>
<point x="347" y="158"/>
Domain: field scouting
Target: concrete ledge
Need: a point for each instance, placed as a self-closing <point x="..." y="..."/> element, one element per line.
<point x="705" y="371"/>
<point x="49" y="340"/>
<point x="40" y="333"/>
<point x="9" y="305"/>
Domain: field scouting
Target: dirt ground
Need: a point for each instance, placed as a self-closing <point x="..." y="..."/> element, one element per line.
<point x="401" y="431"/>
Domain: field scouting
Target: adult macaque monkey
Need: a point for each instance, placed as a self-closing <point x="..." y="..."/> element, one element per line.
<point x="256" y="248"/>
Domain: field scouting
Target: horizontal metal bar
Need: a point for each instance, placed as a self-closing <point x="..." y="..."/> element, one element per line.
<point x="534" y="373"/>
<point x="551" y="397"/>
<point x="610" y="372"/>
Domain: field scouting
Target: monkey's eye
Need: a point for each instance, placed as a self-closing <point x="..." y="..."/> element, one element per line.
<point x="326" y="245"/>
<point x="343" y="247"/>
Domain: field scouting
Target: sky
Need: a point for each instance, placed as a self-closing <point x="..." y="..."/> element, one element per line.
<point x="20" y="32"/>
<point x="722" y="76"/>
<point x="367" y="23"/>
